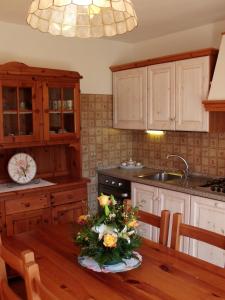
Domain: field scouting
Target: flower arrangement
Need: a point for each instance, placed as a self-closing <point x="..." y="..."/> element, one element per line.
<point x="111" y="235"/>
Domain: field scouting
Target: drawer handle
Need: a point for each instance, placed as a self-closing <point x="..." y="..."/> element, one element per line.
<point x="27" y="204"/>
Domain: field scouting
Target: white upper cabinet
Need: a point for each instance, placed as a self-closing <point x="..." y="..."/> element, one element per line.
<point x="130" y="99"/>
<point x="208" y="214"/>
<point x="161" y="96"/>
<point x="166" y="96"/>
<point x="192" y="85"/>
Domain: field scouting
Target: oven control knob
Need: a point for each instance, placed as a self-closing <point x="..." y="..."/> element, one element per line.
<point x="120" y="184"/>
<point x="124" y="195"/>
<point x="113" y="182"/>
<point x="107" y="181"/>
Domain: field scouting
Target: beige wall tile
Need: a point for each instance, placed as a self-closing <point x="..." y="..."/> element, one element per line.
<point x="103" y="146"/>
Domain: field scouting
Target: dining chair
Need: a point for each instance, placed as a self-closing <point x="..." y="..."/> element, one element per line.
<point x="180" y="229"/>
<point x="28" y="269"/>
<point x="161" y="222"/>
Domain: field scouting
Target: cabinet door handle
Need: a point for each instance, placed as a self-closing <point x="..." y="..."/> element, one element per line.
<point x="27" y="204"/>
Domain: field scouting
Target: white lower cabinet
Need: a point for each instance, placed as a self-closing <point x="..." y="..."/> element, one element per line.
<point x="154" y="200"/>
<point x="145" y="197"/>
<point x="208" y="214"/>
<point x="200" y="212"/>
<point x="176" y="202"/>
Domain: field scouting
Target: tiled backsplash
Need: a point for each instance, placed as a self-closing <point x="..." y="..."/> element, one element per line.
<point x="205" y="153"/>
<point x="103" y="146"/>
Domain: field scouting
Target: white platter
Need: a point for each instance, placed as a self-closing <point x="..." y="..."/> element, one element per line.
<point x="126" y="265"/>
<point x="131" y="167"/>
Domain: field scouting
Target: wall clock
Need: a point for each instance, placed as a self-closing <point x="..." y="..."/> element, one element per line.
<point x="22" y="168"/>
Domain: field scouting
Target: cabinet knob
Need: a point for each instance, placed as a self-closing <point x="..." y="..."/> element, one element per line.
<point x="27" y="204"/>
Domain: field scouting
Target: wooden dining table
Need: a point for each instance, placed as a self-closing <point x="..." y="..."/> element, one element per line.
<point x="164" y="273"/>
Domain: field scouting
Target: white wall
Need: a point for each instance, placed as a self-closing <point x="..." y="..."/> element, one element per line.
<point x="91" y="57"/>
<point x="193" y="39"/>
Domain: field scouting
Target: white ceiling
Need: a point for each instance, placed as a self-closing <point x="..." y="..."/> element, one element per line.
<point x="156" y="17"/>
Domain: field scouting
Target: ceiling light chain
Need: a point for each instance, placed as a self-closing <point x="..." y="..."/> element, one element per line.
<point x="80" y="18"/>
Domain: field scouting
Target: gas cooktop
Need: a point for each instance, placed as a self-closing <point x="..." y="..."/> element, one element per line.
<point x="215" y="185"/>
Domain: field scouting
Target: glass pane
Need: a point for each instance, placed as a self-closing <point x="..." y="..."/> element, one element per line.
<point x="55" y="121"/>
<point x="10" y="124"/>
<point x="68" y="96"/>
<point x="26" y="124"/>
<point x="55" y="98"/>
<point x="68" y="120"/>
<point x="9" y="98"/>
<point x="25" y="97"/>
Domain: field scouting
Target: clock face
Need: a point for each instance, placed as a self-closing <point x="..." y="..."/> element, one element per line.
<point x="22" y="168"/>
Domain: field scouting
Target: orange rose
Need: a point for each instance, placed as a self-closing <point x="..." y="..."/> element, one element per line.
<point x="110" y="240"/>
<point x="82" y="219"/>
<point x="104" y="200"/>
<point x="133" y="223"/>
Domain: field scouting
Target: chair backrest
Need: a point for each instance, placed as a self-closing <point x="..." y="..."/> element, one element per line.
<point x="160" y="222"/>
<point x="179" y="229"/>
<point x="28" y="269"/>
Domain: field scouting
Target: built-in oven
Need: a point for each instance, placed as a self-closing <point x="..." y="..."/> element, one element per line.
<point x="119" y="188"/>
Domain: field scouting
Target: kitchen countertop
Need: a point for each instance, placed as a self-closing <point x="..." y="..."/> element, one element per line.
<point x="191" y="186"/>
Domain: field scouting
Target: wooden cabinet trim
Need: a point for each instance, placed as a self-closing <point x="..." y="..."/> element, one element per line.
<point x="165" y="59"/>
<point x="17" y="68"/>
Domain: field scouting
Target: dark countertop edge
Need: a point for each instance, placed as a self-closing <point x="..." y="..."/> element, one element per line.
<point x="128" y="175"/>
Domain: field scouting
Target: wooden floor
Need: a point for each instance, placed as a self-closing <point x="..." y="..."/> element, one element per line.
<point x="164" y="273"/>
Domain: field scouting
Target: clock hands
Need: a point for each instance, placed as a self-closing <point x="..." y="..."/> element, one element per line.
<point x="24" y="171"/>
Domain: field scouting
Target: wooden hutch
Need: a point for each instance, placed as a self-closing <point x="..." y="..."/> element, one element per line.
<point x="40" y="115"/>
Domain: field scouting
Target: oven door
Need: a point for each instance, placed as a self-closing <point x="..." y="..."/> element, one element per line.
<point x="119" y="195"/>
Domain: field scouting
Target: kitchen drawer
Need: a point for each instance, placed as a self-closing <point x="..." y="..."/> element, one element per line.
<point x="68" y="213"/>
<point x="64" y="197"/>
<point x="27" y="221"/>
<point x="25" y="203"/>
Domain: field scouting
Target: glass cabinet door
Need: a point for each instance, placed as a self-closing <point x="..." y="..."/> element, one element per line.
<point x="17" y="111"/>
<point x="62" y="111"/>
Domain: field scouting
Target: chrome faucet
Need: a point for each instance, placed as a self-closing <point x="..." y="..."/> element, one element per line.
<point x="186" y="171"/>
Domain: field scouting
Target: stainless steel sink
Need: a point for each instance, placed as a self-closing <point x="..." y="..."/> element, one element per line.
<point x="162" y="176"/>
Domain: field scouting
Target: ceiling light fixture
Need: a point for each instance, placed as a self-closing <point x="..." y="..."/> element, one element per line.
<point x="82" y="18"/>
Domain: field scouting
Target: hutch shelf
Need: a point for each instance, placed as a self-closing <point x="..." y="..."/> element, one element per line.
<point x="40" y="115"/>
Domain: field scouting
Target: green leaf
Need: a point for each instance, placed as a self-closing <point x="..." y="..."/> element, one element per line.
<point x="107" y="211"/>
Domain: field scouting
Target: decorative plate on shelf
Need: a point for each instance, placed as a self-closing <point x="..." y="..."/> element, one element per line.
<point x="22" y="168"/>
<point x="131" y="167"/>
<point x="124" y="266"/>
<point x="131" y="164"/>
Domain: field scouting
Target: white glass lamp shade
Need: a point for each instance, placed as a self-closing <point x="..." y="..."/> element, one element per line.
<point x="82" y="18"/>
